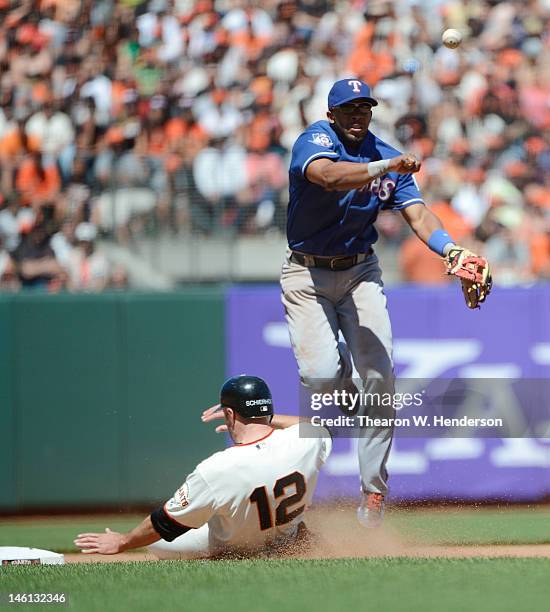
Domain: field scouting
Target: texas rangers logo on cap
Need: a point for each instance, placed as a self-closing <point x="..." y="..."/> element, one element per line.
<point x="347" y="90"/>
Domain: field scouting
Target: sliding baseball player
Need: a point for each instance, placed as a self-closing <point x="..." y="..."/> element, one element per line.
<point x="246" y="499"/>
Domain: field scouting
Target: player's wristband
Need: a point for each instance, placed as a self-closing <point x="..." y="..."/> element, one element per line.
<point x="378" y="168"/>
<point x="439" y="240"/>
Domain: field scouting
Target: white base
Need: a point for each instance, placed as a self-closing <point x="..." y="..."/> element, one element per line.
<point x="21" y="555"/>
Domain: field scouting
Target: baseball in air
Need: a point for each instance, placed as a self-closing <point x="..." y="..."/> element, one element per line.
<point x="451" y="38"/>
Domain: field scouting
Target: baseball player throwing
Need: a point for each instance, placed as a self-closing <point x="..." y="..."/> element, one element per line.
<point x="341" y="176"/>
<point x="249" y="497"/>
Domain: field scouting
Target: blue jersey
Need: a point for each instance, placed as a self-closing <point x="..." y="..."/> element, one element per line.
<point x="324" y="222"/>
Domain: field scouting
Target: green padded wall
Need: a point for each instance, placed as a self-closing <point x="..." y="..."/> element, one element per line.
<point x="175" y="361"/>
<point x="101" y="395"/>
<point x="68" y="376"/>
<point x="8" y="493"/>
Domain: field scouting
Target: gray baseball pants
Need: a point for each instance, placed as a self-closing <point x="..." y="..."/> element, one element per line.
<point x="320" y="303"/>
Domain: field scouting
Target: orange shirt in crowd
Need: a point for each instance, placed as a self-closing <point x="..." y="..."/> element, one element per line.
<point x="41" y="92"/>
<point x="370" y="66"/>
<point x="11" y="145"/>
<point x="118" y="89"/>
<point x="157" y="144"/>
<point x="259" y="132"/>
<point x="184" y="140"/>
<point x="262" y="88"/>
<point x="540" y="254"/>
<point x="33" y="188"/>
<point x="452" y="221"/>
<point x="368" y="63"/>
<point x="252" y="45"/>
<point x="421" y="265"/>
<point x="177" y="129"/>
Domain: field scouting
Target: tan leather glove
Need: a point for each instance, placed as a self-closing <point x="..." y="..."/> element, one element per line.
<point x="474" y="274"/>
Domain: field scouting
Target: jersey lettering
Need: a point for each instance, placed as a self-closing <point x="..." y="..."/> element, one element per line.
<point x="259" y="497"/>
<point x="382" y="187"/>
<point x="283" y="516"/>
<point x="282" y="513"/>
<point x="312" y="210"/>
<point x="258" y="402"/>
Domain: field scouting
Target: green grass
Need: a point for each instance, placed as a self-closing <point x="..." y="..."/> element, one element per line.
<point x="294" y="585"/>
<point x="58" y="534"/>
<point x="474" y="526"/>
<point x="449" y="526"/>
<point x="381" y="584"/>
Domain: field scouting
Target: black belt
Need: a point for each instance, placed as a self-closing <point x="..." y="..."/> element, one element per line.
<point x="338" y="262"/>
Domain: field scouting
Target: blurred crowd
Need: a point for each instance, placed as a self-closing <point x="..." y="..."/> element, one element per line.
<point x="121" y="116"/>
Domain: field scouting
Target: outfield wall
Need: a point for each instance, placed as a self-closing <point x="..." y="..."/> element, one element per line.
<point x="100" y="395"/>
<point x="435" y="336"/>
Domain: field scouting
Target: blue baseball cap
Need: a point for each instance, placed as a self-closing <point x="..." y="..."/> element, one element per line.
<point x="349" y="89"/>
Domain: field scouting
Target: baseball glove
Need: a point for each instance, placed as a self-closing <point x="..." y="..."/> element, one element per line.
<point x="474" y="274"/>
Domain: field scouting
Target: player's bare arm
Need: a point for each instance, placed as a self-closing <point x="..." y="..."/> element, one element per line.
<point x="472" y="270"/>
<point x="343" y="175"/>
<point x="279" y="421"/>
<point x="112" y="542"/>
<point x="424" y="223"/>
<point x="214" y="413"/>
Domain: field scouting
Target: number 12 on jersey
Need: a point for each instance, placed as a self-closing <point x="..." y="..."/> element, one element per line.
<point x="282" y="513"/>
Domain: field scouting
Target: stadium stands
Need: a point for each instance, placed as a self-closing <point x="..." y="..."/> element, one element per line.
<point x="157" y="118"/>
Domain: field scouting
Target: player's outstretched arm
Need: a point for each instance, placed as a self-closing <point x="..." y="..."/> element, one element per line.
<point x="113" y="542"/>
<point x="342" y="175"/>
<point x="214" y="413"/>
<point x="472" y="270"/>
<point x="279" y="421"/>
<point x="424" y="223"/>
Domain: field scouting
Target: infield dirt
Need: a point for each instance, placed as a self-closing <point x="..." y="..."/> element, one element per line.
<point x="336" y="534"/>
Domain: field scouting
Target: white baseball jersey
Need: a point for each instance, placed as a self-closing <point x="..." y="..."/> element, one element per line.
<point x="253" y="494"/>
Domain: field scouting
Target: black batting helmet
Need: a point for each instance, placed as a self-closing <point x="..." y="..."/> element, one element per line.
<point x="249" y="396"/>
